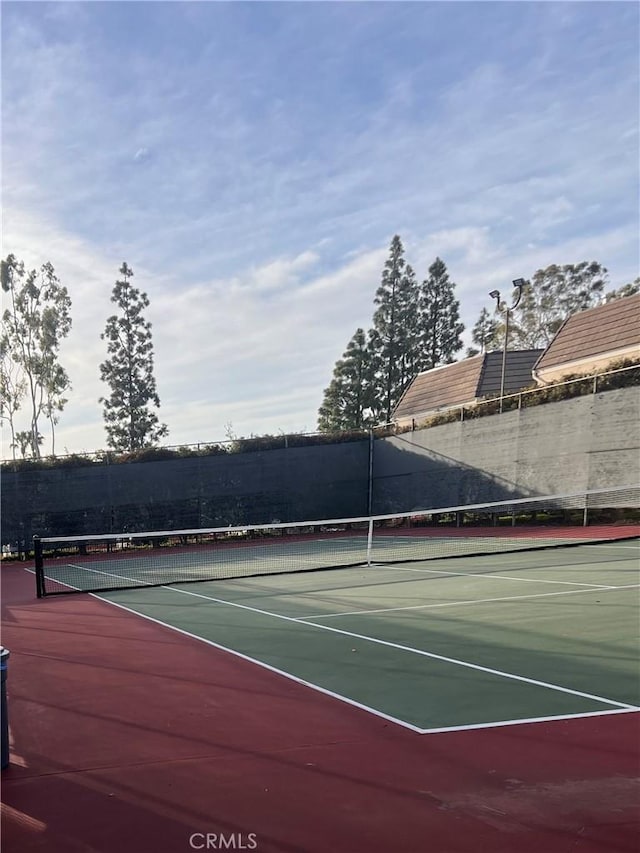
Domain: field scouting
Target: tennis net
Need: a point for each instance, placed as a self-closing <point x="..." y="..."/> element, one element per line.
<point x="155" y="558"/>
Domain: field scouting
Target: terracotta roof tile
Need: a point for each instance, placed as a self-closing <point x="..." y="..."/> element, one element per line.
<point x="449" y="385"/>
<point x="595" y="331"/>
<point x="464" y="381"/>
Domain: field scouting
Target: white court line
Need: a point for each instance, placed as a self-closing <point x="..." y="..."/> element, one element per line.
<point x="421" y="652"/>
<point x="100" y="572"/>
<point x="340" y="697"/>
<point x="261" y="663"/>
<point x="138" y="581"/>
<point x="465" y="602"/>
<point x="486" y="575"/>
<point x="552" y="718"/>
<point x="467" y="664"/>
<point x="63" y="583"/>
<point x="402" y="723"/>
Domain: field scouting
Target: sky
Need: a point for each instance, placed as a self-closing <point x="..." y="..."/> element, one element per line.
<point x="251" y="163"/>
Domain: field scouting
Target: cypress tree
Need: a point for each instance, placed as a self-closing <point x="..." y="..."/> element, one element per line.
<point x="129" y="421"/>
<point x="440" y="313"/>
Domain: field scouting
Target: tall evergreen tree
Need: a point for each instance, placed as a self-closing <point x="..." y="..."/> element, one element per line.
<point x="414" y="328"/>
<point x="128" y="370"/>
<point x="34" y="324"/>
<point x="441" y="328"/>
<point x="392" y="345"/>
<point x="409" y="332"/>
<point x="347" y="398"/>
<point x="486" y="334"/>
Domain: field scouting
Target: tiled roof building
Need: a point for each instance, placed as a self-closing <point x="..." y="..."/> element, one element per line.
<point x="589" y="341"/>
<point x="464" y="382"/>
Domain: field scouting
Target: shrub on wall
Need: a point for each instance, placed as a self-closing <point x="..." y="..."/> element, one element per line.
<point x="575" y="385"/>
<point x="578" y="385"/>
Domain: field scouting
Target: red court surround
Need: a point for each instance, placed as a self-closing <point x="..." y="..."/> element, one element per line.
<point x="131" y="738"/>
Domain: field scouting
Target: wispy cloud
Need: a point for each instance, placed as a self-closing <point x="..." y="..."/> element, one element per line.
<point x="251" y="162"/>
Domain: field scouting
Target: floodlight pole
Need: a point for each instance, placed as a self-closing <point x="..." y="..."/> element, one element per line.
<point x="518" y="283"/>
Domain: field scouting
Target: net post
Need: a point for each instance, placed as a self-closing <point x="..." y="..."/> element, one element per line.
<point x="39" y="566"/>
<point x="369" y="541"/>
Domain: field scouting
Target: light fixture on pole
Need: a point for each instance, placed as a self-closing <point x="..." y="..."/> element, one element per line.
<point x="519" y="284"/>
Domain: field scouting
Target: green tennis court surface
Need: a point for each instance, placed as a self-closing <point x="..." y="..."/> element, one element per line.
<point x="441" y="644"/>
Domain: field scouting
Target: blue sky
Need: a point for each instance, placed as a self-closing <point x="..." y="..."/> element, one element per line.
<point x="252" y="161"/>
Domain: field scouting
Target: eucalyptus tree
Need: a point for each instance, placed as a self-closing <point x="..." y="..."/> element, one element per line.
<point x="553" y="294"/>
<point x="13" y="388"/>
<point x="34" y="324"/>
<point x="629" y="289"/>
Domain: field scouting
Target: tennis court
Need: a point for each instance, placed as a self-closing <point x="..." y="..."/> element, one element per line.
<point x="348" y="685"/>
<point x="469" y="616"/>
<point x="435" y="645"/>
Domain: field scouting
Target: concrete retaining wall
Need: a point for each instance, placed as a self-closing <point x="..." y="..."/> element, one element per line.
<point x="558" y="448"/>
<point x="570" y="446"/>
